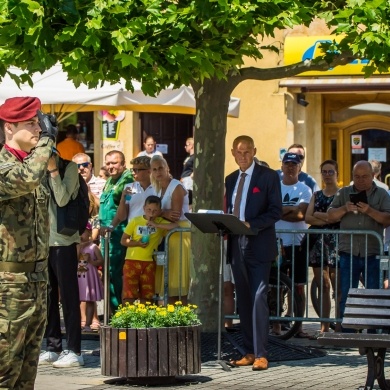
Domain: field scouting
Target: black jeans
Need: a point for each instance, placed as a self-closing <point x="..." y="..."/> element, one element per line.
<point x="63" y="264"/>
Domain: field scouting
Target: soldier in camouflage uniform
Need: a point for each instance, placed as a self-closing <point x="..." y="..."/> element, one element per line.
<point x="29" y="137"/>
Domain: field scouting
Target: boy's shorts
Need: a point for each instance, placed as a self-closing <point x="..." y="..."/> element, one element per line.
<point x="300" y="268"/>
<point x="138" y="279"/>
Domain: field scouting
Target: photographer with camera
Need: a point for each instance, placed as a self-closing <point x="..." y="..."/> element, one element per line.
<point x="361" y="206"/>
<point x="28" y="137"/>
<point x="63" y="183"/>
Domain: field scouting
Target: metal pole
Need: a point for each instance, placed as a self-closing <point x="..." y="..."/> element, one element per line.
<point x="106" y="277"/>
<point x="220" y="296"/>
<point x="166" y="269"/>
<point x="219" y="360"/>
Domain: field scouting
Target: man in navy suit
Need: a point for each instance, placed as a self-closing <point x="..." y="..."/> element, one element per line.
<point x="258" y="204"/>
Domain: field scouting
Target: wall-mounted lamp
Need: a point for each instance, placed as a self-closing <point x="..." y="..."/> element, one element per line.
<point x="301" y="100"/>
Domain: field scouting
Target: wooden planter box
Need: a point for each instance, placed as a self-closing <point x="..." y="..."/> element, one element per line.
<point x="151" y="352"/>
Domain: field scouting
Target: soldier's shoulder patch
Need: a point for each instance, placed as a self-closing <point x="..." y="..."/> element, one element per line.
<point x="4" y="167"/>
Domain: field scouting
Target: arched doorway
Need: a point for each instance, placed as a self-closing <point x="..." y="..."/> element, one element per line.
<point x="375" y="139"/>
<point x="370" y="120"/>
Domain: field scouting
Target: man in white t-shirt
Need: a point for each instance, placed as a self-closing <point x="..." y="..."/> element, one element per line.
<point x="296" y="197"/>
<point x="302" y="176"/>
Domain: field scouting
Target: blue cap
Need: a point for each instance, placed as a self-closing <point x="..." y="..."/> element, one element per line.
<point x="291" y="157"/>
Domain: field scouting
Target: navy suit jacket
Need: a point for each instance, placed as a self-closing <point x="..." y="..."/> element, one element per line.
<point x="263" y="209"/>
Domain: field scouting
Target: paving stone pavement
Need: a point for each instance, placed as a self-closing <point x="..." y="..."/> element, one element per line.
<point x="340" y="369"/>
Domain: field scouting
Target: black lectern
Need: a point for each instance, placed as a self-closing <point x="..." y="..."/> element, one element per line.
<point x="214" y="222"/>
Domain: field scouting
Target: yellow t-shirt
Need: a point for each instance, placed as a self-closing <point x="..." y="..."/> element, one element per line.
<point x="136" y="228"/>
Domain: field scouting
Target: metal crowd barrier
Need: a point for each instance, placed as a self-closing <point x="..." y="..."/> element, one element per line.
<point x="162" y="259"/>
<point x="320" y="234"/>
<point x="279" y="277"/>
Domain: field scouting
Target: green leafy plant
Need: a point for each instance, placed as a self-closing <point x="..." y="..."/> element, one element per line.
<point x="139" y="315"/>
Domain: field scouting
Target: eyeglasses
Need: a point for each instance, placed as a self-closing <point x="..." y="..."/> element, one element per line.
<point x="136" y="170"/>
<point x="84" y="165"/>
<point x="331" y="172"/>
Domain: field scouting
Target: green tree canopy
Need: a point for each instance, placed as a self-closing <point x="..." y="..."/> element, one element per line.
<point x="175" y="42"/>
<point x="197" y="42"/>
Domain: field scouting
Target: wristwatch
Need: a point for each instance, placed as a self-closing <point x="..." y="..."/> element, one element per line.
<point x="111" y="227"/>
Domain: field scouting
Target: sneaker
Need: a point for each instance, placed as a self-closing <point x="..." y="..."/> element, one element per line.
<point x="68" y="359"/>
<point x="47" y="357"/>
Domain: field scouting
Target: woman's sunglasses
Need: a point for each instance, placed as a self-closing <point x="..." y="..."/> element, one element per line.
<point x="331" y="172"/>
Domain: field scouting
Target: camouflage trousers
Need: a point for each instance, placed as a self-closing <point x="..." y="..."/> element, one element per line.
<point x="22" y="324"/>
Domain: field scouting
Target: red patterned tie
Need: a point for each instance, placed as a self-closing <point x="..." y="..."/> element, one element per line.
<point x="237" y="201"/>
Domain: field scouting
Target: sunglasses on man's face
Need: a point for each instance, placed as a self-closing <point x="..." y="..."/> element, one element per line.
<point x="136" y="170"/>
<point x="84" y="165"/>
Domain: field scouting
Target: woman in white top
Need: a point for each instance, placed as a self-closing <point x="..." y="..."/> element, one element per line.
<point x="174" y="201"/>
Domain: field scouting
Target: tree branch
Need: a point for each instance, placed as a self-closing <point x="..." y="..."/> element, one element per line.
<point x="253" y="73"/>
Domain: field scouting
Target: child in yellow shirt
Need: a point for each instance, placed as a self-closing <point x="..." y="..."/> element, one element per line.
<point x="142" y="236"/>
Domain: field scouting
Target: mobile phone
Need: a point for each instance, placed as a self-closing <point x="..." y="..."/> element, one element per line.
<point x="358" y="197"/>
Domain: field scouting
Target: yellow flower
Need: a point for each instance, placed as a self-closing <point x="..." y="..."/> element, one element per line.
<point x="143" y="315"/>
<point x="178" y="303"/>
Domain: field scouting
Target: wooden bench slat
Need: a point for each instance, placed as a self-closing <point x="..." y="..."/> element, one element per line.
<point x="367" y="312"/>
<point x="369" y="292"/>
<point x="355" y="340"/>
<point x="362" y="323"/>
<point x="362" y="302"/>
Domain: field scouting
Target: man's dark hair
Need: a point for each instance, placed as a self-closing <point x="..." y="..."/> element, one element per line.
<point x="71" y="130"/>
<point x="141" y="160"/>
<point x="153" y="199"/>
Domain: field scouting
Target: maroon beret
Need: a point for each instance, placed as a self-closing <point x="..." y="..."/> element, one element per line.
<point x="19" y="109"/>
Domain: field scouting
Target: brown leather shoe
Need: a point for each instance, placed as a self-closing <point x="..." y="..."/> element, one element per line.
<point x="246" y="360"/>
<point x="260" y="364"/>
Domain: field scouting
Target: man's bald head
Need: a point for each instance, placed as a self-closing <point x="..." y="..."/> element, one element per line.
<point x="363" y="175"/>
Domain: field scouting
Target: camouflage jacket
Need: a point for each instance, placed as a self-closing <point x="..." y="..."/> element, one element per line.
<point x="24" y="217"/>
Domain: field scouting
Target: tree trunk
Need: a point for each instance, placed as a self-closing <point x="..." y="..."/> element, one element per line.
<point x="212" y="102"/>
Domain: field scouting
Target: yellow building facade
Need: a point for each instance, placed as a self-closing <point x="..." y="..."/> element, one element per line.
<point x="323" y="111"/>
<point x="326" y="112"/>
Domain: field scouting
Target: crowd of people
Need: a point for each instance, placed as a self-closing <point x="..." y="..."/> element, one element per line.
<point x="131" y="211"/>
<point x="290" y="203"/>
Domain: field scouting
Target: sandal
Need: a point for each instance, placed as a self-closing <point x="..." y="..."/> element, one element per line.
<point x="316" y="335"/>
<point x="302" y="335"/>
<point x="95" y="326"/>
<point x="82" y="325"/>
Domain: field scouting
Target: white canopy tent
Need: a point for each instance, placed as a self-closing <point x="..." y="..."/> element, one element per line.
<point x="60" y="96"/>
